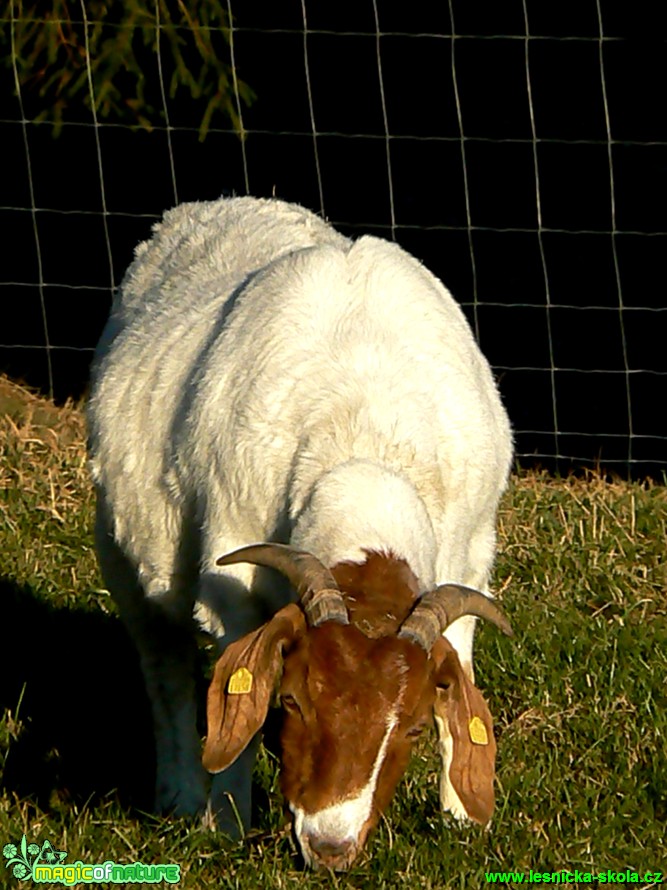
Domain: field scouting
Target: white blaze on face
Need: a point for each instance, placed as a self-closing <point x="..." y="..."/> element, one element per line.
<point x="345" y="820"/>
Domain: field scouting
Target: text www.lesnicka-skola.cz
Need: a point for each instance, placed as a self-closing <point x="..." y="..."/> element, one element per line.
<point x="568" y="876"/>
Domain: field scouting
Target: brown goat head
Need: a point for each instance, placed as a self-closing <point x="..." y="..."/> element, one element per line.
<point x="355" y="697"/>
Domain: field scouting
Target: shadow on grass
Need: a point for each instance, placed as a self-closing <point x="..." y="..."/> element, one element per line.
<point x="83" y="728"/>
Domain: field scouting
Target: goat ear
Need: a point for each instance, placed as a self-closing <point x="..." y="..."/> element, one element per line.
<point x="460" y="705"/>
<point x="242" y="684"/>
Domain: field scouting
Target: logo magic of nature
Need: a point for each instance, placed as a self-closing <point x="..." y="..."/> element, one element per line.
<point x="46" y="865"/>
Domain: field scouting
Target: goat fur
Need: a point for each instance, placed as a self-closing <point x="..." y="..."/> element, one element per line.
<point x="263" y="378"/>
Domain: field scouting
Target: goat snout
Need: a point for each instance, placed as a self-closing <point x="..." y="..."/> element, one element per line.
<point x="331" y="852"/>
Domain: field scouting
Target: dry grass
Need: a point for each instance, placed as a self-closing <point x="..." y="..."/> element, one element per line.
<point x="579" y="697"/>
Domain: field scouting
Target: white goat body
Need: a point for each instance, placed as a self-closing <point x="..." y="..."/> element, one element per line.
<point x="263" y="378"/>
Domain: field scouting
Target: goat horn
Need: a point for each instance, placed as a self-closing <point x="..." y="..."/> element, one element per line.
<point x="316" y="586"/>
<point x="439" y="608"/>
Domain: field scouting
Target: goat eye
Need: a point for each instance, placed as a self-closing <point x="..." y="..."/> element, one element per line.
<point x="289" y="702"/>
<point x="416" y="731"/>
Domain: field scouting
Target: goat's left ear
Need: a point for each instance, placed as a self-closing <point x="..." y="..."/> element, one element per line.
<point x="242" y="684"/>
<point x="460" y="705"/>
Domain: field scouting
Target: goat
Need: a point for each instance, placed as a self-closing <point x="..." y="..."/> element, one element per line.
<point x="264" y="379"/>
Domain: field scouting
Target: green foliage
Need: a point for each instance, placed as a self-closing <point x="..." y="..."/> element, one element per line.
<point x="120" y="56"/>
<point x="579" y="696"/>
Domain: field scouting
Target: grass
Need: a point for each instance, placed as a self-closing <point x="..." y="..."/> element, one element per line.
<point x="579" y="697"/>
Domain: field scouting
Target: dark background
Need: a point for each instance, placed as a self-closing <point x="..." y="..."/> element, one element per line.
<point x="518" y="148"/>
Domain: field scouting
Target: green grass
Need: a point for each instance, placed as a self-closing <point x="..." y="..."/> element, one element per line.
<point x="579" y="697"/>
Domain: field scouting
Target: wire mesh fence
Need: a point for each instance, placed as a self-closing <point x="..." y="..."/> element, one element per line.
<point x="518" y="149"/>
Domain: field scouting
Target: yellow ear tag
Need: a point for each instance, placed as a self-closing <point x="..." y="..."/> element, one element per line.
<point x="477" y="730"/>
<point x="240" y="682"/>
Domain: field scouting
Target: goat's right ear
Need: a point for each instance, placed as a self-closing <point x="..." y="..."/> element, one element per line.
<point x="242" y="684"/>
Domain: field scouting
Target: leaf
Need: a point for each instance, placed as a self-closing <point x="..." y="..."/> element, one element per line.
<point x="55" y="53"/>
<point x="206" y="120"/>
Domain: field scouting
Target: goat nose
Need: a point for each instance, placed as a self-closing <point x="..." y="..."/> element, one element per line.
<point x="329" y="848"/>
